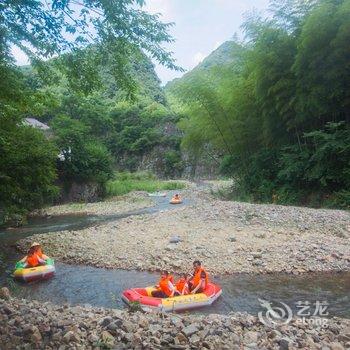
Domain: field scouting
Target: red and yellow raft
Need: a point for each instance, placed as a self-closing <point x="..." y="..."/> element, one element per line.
<point x="143" y="296"/>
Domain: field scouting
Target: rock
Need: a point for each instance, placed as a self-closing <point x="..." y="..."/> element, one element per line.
<point x="7" y="310"/>
<point x="180" y="339"/>
<point x="336" y="346"/>
<point x="36" y="336"/>
<point x="284" y="344"/>
<point x="107" y="338"/>
<point x="274" y="334"/>
<point x="4" y="293"/>
<point x="195" y="340"/>
<point x="128" y="326"/>
<point x="189" y="330"/>
<point x="105" y="321"/>
<point x="143" y="322"/>
<point x="57" y="336"/>
<point x="251" y="337"/>
<point x="68" y="337"/>
<point x="259" y="235"/>
<point x="257" y="255"/>
<point x="93" y="338"/>
<point x="113" y="326"/>
<point x="344" y="337"/>
<point x="176" y="321"/>
<point x="175" y="239"/>
<point x="232" y="239"/>
<point x="176" y="264"/>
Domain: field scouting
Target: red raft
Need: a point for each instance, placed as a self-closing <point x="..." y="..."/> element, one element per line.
<point x="143" y="296"/>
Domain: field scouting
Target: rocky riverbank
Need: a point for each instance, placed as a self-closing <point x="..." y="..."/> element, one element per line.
<point x="33" y="325"/>
<point x="229" y="237"/>
<point x="111" y="206"/>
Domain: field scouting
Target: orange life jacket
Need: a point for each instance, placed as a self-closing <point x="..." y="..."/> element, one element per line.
<point x="164" y="286"/>
<point x="197" y="278"/>
<point x="39" y="253"/>
<point x="182" y="286"/>
<point x="32" y="260"/>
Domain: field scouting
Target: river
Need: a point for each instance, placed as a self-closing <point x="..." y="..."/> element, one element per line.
<point x="103" y="287"/>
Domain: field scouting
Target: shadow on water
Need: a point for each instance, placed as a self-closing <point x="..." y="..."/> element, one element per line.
<point x="103" y="287"/>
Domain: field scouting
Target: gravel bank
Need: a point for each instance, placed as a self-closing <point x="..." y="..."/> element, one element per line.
<point x="114" y="205"/>
<point x="229" y="237"/>
<point x="31" y="325"/>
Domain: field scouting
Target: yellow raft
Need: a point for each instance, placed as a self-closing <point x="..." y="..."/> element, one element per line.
<point x="31" y="274"/>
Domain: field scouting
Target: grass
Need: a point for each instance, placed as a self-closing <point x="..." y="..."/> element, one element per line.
<point x="140" y="181"/>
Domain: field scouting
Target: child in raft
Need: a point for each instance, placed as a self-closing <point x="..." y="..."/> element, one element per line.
<point x="165" y="287"/>
<point x="182" y="285"/>
<point x="35" y="256"/>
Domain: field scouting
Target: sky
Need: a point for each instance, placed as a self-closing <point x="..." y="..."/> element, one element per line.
<point x="200" y="27"/>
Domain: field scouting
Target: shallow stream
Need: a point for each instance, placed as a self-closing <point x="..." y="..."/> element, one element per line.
<point x="102" y="287"/>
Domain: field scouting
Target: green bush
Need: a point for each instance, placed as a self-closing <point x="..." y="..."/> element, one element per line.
<point x="141" y="181"/>
<point x="27" y="170"/>
<point x="83" y="159"/>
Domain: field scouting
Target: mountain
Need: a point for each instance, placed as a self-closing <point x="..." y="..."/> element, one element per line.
<point x="226" y="53"/>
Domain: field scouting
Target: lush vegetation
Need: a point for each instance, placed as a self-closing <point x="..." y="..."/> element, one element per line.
<point x="86" y="57"/>
<point x="278" y="111"/>
<point x="140" y="181"/>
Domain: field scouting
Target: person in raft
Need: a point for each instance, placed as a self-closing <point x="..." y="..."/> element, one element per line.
<point x="199" y="279"/>
<point x="182" y="285"/>
<point x="35" y="256"/>
<point x="177" y="197"/>
<point x="165" y="287"/>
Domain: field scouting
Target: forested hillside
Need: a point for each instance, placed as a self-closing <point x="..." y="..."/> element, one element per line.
<point x="278" y="111"/>
<point x="92" y="82"/>
<point x="201" y="156"/>
<point x="125" y="128"/>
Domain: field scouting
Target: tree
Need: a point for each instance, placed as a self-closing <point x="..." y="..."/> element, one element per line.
<point x="113" y="31"/>
<point x="279" y="110"/>
<point x="27" y="170"/>
<point x="82" y="159"/>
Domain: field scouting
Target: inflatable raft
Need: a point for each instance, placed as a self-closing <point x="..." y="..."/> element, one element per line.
<point x="31" y="274"/>
<point x="157" y="194"/>
<point x="175" y="201"/>
<point x="143" y="296"/>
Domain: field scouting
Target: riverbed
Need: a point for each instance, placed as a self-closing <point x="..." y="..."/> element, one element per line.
<point x="79" y="284"/>
<point x="80" y="307"/>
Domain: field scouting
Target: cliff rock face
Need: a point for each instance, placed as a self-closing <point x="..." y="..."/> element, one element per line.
<point x="204" y="167"/>
<point x="80" y="192"/>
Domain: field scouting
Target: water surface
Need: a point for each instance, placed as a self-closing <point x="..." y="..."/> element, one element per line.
<point x="103" y="287"/>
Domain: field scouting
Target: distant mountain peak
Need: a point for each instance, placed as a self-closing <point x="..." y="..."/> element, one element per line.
<point x="224" y="54"/>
